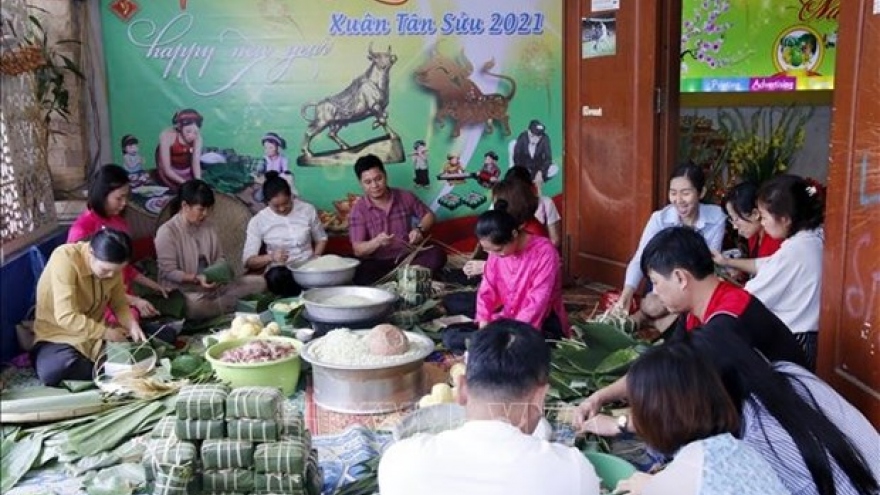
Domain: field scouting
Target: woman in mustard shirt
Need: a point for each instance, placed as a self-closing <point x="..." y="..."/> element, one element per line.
<point x="81" y="280"/>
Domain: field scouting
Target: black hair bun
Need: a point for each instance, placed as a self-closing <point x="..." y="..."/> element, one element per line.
<point x="501" y="205"/>
<point x="272" y="174"/>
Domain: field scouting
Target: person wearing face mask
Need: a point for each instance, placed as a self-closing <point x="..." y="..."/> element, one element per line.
<point x="187" y="244"/>
<point x="686" y="187"/>
<point x="522" y="277"/>
<point x="497" y="450"/>
<point x="106" y="203"/>
<point x="79" y="281"/>
<point x="178" y="154"/>
<point x="291" y="231"/>
<point x="789" y="282"/>
<point x="742" y="211"/>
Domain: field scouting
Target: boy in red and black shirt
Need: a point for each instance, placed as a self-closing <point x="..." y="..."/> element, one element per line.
<point x="679" y="264"/>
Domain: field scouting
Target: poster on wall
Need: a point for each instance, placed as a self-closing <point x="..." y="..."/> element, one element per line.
<point x="448" y="93"/>
<point x="745" y="46"/>
<point x="599" y="35"/>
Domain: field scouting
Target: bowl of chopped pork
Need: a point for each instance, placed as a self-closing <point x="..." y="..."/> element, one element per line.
<point x="325" y="271"/>
<point x="258" y="362"/>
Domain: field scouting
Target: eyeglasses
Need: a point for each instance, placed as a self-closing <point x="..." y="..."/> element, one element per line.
<point x="738" y="219"/>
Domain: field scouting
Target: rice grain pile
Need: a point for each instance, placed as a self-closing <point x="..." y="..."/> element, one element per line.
<point x="344" y="347"/>
<point x="347" y="301"/>
<point x="327" y="263"/>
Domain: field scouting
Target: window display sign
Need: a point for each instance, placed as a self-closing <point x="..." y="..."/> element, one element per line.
<point x="748" y="46"/>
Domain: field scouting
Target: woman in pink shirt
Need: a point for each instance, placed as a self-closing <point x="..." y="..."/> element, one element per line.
<point x="108" y="197"/>
<point x="522" y="278"/>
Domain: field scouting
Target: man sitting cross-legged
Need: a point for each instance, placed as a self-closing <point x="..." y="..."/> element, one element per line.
<point x="494" y="452"/>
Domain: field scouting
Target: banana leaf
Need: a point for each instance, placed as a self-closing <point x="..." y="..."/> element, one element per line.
<point x="255" y="303"/>
<point x="199" y="326"/>
<point x="122" y="479"/>
<point x="17" y="457"/>
<point x="618" y="361"/>
<point x="229" y="178"/>
<point x="219" y="273"/>
<point x="174" y="305"/>
<point x="605" y="336"/>
<point x="75" y="386"/>
<point x="111" y="428"/>
<point x="188" y="365"/>
<point x="574" y="358"/>
<point x="129" y="452"/>
<point x="127" y="352"/>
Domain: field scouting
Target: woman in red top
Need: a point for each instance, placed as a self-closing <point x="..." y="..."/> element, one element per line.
<point x="179" y="150"/>
<point x="108" y="197"/>
<point x="746" y="219"/>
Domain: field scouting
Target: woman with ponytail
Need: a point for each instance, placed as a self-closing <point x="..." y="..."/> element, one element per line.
<point x="789" y="282"/>
<point x="522" y="278"/>
<point x="816" y="441"/>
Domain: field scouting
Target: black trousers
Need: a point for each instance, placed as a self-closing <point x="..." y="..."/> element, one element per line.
<point x="371" y="269"/>
<point x="58" y="362"/>
<point x="279" y="281"/>
<point x="809" y="342"/>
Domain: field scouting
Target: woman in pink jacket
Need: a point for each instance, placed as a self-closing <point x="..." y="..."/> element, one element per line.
<point x="107" y="199"/>
<point x="522" y="278"/>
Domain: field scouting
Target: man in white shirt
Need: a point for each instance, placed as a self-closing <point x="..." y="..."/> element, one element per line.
<point x="503" y="391"/>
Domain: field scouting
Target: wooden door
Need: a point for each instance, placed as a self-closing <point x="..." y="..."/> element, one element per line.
<point x="849" y="338"/>
<point x="618" y="147"/>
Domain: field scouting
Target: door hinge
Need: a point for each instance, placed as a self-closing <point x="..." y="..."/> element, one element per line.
<point x="658" y="101"/>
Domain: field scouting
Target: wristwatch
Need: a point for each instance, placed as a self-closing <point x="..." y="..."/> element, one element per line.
<point x="622" y="423"/>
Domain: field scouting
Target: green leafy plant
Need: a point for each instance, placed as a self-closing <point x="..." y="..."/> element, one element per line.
<point x="52" y="91"/>
<point x="50" y="67"/>
<point x="764" y="144"/>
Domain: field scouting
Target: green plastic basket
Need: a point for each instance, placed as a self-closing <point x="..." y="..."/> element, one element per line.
<point x="610" y="469"/>
<point x="283" y="374"/>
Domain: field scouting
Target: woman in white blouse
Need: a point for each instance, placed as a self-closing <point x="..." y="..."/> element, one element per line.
<point x="291" y="232"/>
<point x="687" y="186"/>
<point x="790" y="281"/>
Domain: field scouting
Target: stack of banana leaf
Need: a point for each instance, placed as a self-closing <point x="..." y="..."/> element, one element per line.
<point x="229" y="178"/>
<point x="596" y="356"/>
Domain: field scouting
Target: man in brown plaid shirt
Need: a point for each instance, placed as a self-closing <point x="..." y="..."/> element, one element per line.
<point x="387" y="224"/>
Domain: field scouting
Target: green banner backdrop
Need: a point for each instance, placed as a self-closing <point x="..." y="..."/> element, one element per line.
<point x="465" y="77"/>
<point x="752" y="46"/>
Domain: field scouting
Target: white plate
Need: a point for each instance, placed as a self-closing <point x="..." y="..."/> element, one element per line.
<point x="150" y="191"/>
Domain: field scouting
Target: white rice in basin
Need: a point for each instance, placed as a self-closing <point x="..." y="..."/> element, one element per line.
<point x="346" y="348"/>
<point x="327" y="263"/>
